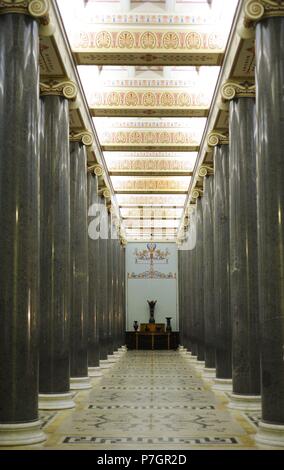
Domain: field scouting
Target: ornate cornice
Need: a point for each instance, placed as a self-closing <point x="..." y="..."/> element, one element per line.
<point x="205" y="170"/>
<point x="217" y="138"/>
<point x="85" y="137"/>
<point x="66" y="88"/>
<point x="231" y="90"/>
<point x="257" y="10"/>
<point x="38" y="9"/>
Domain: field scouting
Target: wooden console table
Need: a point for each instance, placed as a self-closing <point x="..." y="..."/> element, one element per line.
<point x="152" y="340"/>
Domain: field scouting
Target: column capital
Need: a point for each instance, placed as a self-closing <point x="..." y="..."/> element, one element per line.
<point x="257" y="10"/>
<point x="85" y="137"/>
<point x="97" y="169"/>
<point x="38" y="9"/>
<point x="232" y="89"/>
<point x="66" y="88"/>
<point x="105" y="192"/>
<point x="205" y="170"/>
<point x="215" y="138"/>
<point x="196" y="193"/>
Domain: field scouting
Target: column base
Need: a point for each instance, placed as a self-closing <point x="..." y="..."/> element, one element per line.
<point x="209" y="373"/>
<point x="200" y="365"/>
<point x="94" y="372"/>
<point x="192" y="359"/>
<point x="21" y="434"/>
<point x="245" y="402"/>
<point x="271" y="435"/>
<point x="118" y="353"/>
<point x="105" y="364"/>
<point x="55" y="401"/>
<point x="123" y="348"/>
<point x="80" y="383"/>
<point x="112" y="358"/>
<point x="224" y="385"/>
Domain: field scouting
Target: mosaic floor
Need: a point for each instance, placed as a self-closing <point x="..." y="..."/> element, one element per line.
<point x="149" y="400"/>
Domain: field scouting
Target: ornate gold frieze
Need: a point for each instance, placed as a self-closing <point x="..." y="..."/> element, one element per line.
<point x="150" y="164"/>
<point x="151" y="184"/>
<point x="85" y="137"/>
<point x="231" y="90"/>
<point x="66" y="88"/>
<point x="257" y="10"/>
<point x="217" y="138"/>
<point x="36" y="8"/>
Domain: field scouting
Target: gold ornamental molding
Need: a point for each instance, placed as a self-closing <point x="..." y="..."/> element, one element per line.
<point x="231" y="90"/>
<point x="66" y="88"/>
<point x="258" y="10"/>
<point x="148" y="47"/>
<point x="217" y="138"/>
<point x="84" y="137"/>
<point x="38" y="9"/>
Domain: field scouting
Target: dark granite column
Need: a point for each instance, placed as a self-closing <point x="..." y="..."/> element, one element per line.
<point x="93" y="252"/>
<point x="102" y="283"/>
<point x="123" y="287"/>
<point x="19" y="233"/>
<point x="199" y="285"/>
<point x="223" y="320"/>
<point x="54" y="363"/>
<point x="243" y="256"/>
<point x="208" y="277"/>
<point x="110" y="287"/>
<point x="79" y="267"/>
<point x="270" y="200"/>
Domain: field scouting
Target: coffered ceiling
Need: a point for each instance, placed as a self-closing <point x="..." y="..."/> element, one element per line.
<point x="149" y="71"/>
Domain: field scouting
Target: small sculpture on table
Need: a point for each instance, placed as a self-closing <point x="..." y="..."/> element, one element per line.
<point x="135" y="325"/>
<point x="152" y="304"/>
<point x="169" y="326"/>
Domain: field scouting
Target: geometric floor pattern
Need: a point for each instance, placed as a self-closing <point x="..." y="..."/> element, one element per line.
<point x="149" y="400"/>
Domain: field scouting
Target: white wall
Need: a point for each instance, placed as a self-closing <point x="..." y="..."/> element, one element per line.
<point x="158" y="281"/>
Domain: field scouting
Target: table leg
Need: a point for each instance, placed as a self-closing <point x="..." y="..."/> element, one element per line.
<point x="152" y="342"/>
<point x="136" y="341"/>
<point x="168" y="341"/>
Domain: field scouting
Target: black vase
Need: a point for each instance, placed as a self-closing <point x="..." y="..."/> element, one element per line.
<point x="169" y="326"/>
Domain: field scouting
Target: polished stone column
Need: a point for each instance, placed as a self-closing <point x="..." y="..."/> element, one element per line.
<point x="102" y="283"/>
<point x="199" y="284"/>
<point x="110" y="287"/>
<point x="123" y="293"/>
<point x="222" y="310"/>
<point x="243" y="256"/>
<point x="208" y="276"/>
<point x="19" y="233"/>
<point x="270" y="200"/>
<point x="93" y="255"/>
<point x="54" y="363"/>
<point x="79" y="267"/>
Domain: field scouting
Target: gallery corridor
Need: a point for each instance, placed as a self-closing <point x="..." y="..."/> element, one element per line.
<point x="149" y="400"/>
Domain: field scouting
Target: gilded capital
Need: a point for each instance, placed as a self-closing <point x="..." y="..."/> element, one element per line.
<point x="85" y="137"/>
<point x="231" y="90"/>
<point x="217" y="138"/>
<point x="196" y="193"/>
<point x="106" y="193"/>
<point x="66" y="88"/>
<point x="98" y="170"/>
<point x="257" y="10"/>
<point x="36" y="8"/>
<point x="205" y="170"/>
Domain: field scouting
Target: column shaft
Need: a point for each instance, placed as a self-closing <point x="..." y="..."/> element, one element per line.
<point x="199" y="306"/>
<point x="54" y="367"/>
<point x="93" y="254"/>
<point x="222" y="264"/>
<point x="270" y="194"/>
<point x="208" y="277"/>
<point x="19" y="222"/>
<point x="243" y="248"/>
<point x="79" y="266"/>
